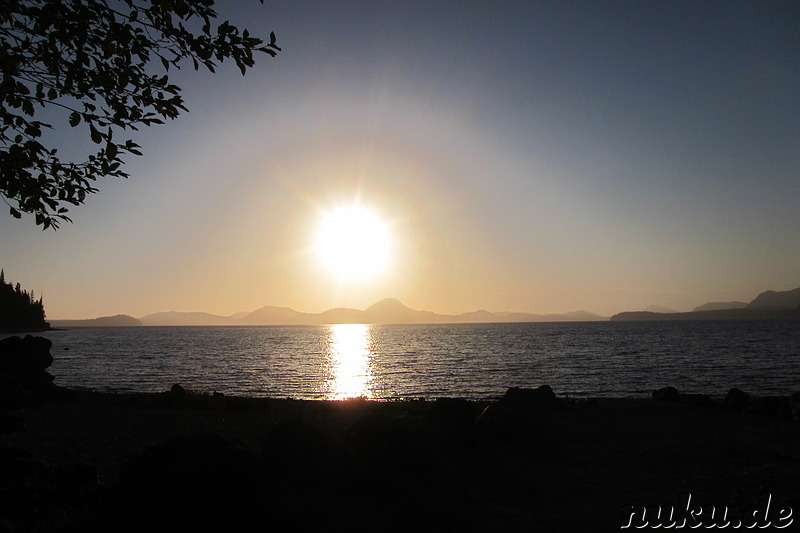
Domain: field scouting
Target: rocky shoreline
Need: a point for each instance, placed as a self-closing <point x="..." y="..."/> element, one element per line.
<point x="532" y="461"/>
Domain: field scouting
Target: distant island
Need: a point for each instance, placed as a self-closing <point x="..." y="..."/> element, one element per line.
<point x="388" y="311"/>
<point x="103" y="321"/>
<point x="769" y="305"/>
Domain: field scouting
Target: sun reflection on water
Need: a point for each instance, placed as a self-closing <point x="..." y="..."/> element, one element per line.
<point x="348" y="356"/>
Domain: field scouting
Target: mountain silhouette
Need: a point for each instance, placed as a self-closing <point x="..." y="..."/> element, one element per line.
<point x="279" y="316"/>
<point x="342" y="315"/>
<point x="387" y="311"/>
<point x="718" y="306"/>
<point x="660" y="309"/>
<point x="177" y="318"/>
<point x="392" y="311"/>
<point x="776" y="300"/>
<point x="769" y="305"/>
<point x="103" y="321"/>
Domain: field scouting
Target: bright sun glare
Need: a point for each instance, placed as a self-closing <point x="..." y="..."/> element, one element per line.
<point x="353" y="243"/>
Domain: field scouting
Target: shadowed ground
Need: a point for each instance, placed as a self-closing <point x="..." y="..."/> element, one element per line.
<point x="530" y="463"/>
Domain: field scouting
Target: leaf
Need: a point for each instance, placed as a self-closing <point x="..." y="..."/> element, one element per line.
<point x="95" y="58"/>
<point x="97" y="137"/>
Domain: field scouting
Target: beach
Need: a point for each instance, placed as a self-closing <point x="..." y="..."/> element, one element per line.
<point x="529" y="462"/>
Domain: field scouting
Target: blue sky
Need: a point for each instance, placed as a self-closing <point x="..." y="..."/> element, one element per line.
<point x="529" y="156"/>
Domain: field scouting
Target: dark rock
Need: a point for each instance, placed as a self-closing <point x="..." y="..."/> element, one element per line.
<point x="25" y="382"/>
<point x="191" y="481"/>
<point x="179" y="397"/>
<point x="522" y="419"/>
<point x="667" y="394"/>
<point x="25" y="356"/>
<point x="736" y="400"/>
<point x="218" y="400"/>
<point x="542" y="397"/>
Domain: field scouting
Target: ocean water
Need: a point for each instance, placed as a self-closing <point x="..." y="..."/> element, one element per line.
<point x="475" y="361"/>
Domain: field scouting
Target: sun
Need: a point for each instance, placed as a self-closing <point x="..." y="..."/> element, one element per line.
<point x="353" y="243"/>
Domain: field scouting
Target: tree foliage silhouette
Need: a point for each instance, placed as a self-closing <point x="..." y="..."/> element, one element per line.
<point x="90" y="64"/>
<point x="19" y="309"/>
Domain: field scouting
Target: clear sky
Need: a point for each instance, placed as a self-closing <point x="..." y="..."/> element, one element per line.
<point x="525" y="156"/>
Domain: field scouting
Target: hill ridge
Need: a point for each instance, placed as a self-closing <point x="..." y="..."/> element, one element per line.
<point x="385" y="311"/>
<point x="769" y="305"/>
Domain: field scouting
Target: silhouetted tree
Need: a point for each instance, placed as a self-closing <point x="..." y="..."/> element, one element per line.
<point x="90" y="62"/>
<point x="19" y="310"/>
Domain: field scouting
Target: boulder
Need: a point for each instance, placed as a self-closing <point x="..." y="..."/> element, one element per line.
<point x="736" y="400"/>
<point x="667" y="394"/>
<point x="25" y="357"/>
<point x="523" y="417"/>
<point x="541" y="398"/>
<point x="24" y="381"/>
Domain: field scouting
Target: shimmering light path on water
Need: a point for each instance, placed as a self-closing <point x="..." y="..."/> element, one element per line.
<point x="349" y="359"/>
<point x="460" y="360"/>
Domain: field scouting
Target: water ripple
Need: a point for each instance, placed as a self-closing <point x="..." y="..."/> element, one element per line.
<point x="463" y="360"/>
